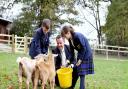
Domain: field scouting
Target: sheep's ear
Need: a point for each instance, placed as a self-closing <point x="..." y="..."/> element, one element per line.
<point x="55" y="55"/>
<point x="45" y="55"/>
<point x="38" y="56"/>
<point x="18" y="59"/>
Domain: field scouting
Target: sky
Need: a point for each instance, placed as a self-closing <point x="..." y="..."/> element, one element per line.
<point x="16" y="10"/>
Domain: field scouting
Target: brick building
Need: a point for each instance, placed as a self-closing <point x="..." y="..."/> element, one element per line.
<point x="5" y="26"/>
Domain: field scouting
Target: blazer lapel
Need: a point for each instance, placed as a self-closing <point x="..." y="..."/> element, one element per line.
<point x="59" y="55"/>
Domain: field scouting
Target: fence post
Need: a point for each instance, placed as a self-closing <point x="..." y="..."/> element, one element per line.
<point x="13" y="43"/>
<point x="107" y="52"/>
<point x="25" y="44"/>
<point x="119" y="52"/>
<point x="8" y="39"/>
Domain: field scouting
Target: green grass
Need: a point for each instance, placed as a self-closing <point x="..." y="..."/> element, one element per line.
<point x="109" y="74"/>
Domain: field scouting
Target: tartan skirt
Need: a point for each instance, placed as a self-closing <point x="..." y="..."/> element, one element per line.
<point x="86" y="67"/>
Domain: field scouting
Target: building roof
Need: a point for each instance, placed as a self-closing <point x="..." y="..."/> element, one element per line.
<point x="5" y="20"/>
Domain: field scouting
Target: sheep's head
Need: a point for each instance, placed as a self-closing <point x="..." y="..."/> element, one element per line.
<point x="45" y="58"/>
<point x="41" y="57"/>
<point x="52" y="56"/>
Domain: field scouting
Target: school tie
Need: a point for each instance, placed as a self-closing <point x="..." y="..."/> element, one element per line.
<point x="72" y="43"/>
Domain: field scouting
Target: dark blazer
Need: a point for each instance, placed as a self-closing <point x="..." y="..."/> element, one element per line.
<point x="39" y="44"/>
<point x="68" y="54"/>
<point x="80" y="43"/>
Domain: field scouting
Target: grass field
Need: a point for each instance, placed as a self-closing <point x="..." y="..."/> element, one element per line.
<point x="109" y="74"/>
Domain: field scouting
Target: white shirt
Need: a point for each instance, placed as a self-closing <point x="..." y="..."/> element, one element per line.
<point x="63" y="57"/>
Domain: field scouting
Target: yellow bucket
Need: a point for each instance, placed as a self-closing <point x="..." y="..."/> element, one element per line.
<point x="65" y="77"/>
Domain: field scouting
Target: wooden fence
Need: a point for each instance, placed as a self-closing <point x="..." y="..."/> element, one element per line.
<point x="20" y="44"/>
<point x="17" y="44"/>
<point x="108" y="50"/>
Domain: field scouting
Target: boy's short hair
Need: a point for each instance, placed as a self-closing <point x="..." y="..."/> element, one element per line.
<point x="46" y="23"/>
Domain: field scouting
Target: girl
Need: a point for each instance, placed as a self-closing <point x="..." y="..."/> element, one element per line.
<point x="84" y="62"/>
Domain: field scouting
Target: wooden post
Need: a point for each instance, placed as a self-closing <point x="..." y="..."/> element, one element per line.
<point x="9" y="40"/>
<point x="13" y="44"/>
<point x="107" y="52"/>
<point x="119" y="52"/>
<point x="25" y="44"/>
<point x="8" y="37"/>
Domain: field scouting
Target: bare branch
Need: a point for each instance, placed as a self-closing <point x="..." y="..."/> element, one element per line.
<point x="88" y="20"/>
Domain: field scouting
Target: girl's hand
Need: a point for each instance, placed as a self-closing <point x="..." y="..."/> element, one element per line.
<point x="79" y="62"/>
<point x="71" y="66"/>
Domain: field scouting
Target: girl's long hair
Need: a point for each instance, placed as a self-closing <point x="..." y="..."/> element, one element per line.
<point x="67" y="29"/>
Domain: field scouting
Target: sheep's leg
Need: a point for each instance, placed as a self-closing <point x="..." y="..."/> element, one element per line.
<point x="28" y="80"/>
<point x="52" y="83"/>
<point x="35" y="83"/>
<point x="44" y="81"/>
<point x="43" y="85"/>
<point x="36" y="77"/>
<point x="20" y="75"/>
<point x="27" y="84"/>
<point x="20" y="82"/>
<point x="33" y="79"/>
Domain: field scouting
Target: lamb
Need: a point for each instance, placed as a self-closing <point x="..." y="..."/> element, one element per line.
<point x="27" y="69"/>
<point x="45" y="70"/>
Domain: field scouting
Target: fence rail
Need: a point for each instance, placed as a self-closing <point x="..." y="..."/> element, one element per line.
<point x="110" y="50"/>
<point x="20" y="44"/>
<point x="16" y="43"/>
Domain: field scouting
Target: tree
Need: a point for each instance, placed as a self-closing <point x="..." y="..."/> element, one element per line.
<point x="6" y="5"/>
<point x="94" y="5"/>
<point x="36" y="10"/>
<point x="116" y="28"/>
